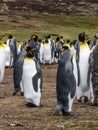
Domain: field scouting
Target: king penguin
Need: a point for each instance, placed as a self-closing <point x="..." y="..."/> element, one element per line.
<point x="84" y="87"/>
<point x="47" y="54"/>
<point x="65" y="83"/>
<point x="30" y="78"/>
<point x="2" y="60"/>
<point x="32" y="81"/>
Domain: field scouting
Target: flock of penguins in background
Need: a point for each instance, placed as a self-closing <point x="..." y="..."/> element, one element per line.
<point x="75" y="61"/>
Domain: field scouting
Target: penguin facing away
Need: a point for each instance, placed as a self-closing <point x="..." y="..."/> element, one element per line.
<point x="2" y="60"/>
<point x="65" y="84"/>
<point x="11" y="51"/>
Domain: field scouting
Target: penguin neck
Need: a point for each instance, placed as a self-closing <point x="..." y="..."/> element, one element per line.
<point x="46" y="44"/>
<point x="28" y="58"/>
<point x="83" y="44"/>
<point x="2" y="45"/>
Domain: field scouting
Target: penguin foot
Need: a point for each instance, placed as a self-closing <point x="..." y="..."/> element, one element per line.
<point x="95" y="103"/>
<point x="83" y="99"/>
<point x="30" y="105"/>
<point x="79" y="100"/>
<point x="69" y="114"/>
<point x="15" y="92"/>
<point x="22" y="93"/>
<point x="86" y="100"/>
<point x="55" y="113"/>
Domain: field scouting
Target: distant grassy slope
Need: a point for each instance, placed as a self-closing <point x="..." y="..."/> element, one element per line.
<point x="43" y="24"/>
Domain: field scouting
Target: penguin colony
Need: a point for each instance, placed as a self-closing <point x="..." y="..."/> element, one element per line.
<point x="74" y="73"/>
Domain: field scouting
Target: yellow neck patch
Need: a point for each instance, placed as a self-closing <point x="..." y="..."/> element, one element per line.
<point x="73" y="57"/>
<point x="28" y="59"/>
<point x="2" y="45"/>
<point x="96" y="40"/>
<point x="83" y="45"/>
<point x="46" y="44"/>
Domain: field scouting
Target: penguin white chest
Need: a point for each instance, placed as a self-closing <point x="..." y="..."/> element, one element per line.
<point x="47" y="52"/>
<point x="29" y="68"/>
<point x="29" y="71"/>
<point x="8" y="56"/>
<point x="83" y="64"/>
<point x="2" y="61"/>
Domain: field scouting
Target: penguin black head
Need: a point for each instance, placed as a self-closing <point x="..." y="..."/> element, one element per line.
<point x="34" y="37"/>
<point x="46" y="41"/>
<point x="30" y="51"/>
<point x="57" y="39"/>
<point x="10" y="36"/>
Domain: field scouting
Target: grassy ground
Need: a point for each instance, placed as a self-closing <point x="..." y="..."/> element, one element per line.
<point x="43" y="24"/>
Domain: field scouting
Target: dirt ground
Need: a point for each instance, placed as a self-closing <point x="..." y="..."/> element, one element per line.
<point x="15" y="115"/>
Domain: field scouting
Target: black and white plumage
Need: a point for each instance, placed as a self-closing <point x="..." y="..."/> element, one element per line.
<point x="11" y="51"/>
<point x="65" y="84"/>
<point x="84" y="87"/>
<point x="28" y="78"/>
<point x="32" y="82"/>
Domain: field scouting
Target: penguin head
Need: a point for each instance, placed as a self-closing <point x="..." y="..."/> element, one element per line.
<point x="46" y="41"/>
<point x="57" y="39"/>
<point x="66" y="46"/>
<point x="34" y="37"/>
<point x="30" y="51"/>
<point x="10" y="36"/>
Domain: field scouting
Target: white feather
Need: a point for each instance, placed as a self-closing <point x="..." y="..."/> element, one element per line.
<point x="2" y="61"/>
<point x="47" y="57"/>
<point x="83" y="89"/>
<point x="29" y="70"/>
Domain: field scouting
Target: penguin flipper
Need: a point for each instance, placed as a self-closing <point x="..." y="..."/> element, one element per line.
<point x="39" y="72"/>
<point x="34" y="82"/>
<point x="77" y="60"/>
<point x="18" y="70"/>
<point x="89" y="70"/>
<point x="72" y="84"/>
<point x="78" y="72"/>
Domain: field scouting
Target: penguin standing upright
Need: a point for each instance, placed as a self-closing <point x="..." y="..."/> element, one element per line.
<point x="11" y="51"/>
<point x="41" y="51"/>
<point x="32" y="82"/>
<point x="2" y="60"/>
<point x="28" y="77"/>
<point x="94" y="66"/>
<point x="65" y="83"/>
<point x="84" y="87"/>
<point x="47" y="55"/>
